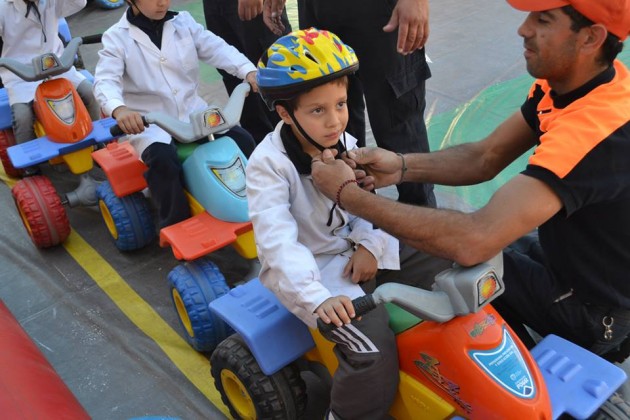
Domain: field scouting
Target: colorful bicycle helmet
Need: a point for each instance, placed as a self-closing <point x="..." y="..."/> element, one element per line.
<point x="302" y="60"/>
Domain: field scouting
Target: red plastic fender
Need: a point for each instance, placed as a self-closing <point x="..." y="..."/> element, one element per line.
<point x="29" y="386"/>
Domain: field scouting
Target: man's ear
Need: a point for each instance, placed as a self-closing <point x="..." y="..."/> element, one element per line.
<point x="284" y="114"/>
<point x="596" y="36"/>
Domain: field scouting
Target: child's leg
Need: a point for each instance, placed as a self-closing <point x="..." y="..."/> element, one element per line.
<point x="243" y="139"/>
<point x="23" y="120"/>
<point x="87" y="96"/>
<point x="366" y="381"/>
<point x="165" y="180"/>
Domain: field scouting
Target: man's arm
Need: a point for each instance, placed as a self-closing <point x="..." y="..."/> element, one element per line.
<point x="465" y="164"/>
<point x="521" y="205"/>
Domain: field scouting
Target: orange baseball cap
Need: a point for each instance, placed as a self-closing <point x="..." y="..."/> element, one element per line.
<point x="613" y="14"/>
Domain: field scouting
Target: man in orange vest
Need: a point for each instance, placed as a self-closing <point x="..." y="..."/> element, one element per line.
<point x="575" y="190"/>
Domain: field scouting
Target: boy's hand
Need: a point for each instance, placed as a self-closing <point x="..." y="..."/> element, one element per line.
<point x="336" y="309"/>
<point x="251" y="79"/>
<point x="362" y="266"/>
<point x="129" y="121"/>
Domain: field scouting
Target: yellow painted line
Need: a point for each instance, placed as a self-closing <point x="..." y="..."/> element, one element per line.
<point x="192" y="364"/>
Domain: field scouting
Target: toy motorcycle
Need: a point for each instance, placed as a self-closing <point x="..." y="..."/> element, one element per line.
<point x="67" y="135"/>
<point x="457" y="356"/>
<point x="214" y="178"/>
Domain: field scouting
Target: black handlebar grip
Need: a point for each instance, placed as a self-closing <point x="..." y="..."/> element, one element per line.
<point x="362" y="305"/>
<point x="92" y="39"/>
<point x="116" y="131"/>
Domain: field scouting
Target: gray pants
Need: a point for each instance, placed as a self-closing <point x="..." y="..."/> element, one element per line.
<point x="366" y="381"/>
<point x="24" y="117"/>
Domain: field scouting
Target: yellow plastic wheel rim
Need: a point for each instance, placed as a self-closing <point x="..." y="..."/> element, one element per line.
<point x="181" y="312"/>
<point x="27" y="225"/>
<point x="109" y="220"/>
<point x="237" y="395"/>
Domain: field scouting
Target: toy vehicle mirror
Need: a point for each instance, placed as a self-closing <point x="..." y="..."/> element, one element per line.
<point x="44" y="65"/>
<point x="212" y="120"/>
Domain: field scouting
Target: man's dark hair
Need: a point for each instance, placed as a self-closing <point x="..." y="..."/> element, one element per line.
<point x="611" y="47"/>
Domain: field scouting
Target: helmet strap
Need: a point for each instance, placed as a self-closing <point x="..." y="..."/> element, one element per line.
<point x="303" y="132"/>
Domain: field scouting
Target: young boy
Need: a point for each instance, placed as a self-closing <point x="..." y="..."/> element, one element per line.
<point x="314" y="254"/>
<point x="29" y="28"/>
<point x="150" y="62"/>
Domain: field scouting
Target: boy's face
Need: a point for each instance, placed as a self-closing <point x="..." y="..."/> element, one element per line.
<point x="153" y="9"/>
<point x="322" y="113"/>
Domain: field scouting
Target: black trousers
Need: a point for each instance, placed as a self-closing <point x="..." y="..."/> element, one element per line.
<point x="393" y="85"/>
<point x="534" y="297"/>
<point x="251" y="38"/>
<point x="166" y="181"/>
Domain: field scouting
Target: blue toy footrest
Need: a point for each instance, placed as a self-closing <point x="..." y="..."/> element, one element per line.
<point x="274" y="335"/>
<point x="578" y="381"/>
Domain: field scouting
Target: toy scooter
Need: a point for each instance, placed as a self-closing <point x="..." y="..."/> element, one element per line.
<point x="67" y="135"/>
<point x="214" y="177"/>
<point x="463" y="360"/>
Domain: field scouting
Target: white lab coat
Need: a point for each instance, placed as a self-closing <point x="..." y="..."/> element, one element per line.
<point x="23" y="39"/>
<point x="302" y="258"/>
<point x="132" y="71"/>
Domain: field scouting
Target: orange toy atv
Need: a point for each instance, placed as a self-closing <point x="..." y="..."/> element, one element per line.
<point x="461" y="361"/>
<point x="67" y="135"/>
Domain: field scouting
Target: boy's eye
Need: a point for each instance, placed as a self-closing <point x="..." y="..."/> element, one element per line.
<point x="318" y="110"/>
<point x="342" y="104"/>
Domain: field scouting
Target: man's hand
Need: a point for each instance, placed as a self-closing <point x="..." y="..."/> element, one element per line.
<point x="336" y="309"/>
<point x="383" y="167"/>
<point x="329" y="173"/>
<point x="272" y="15"/>
<point x="411" y="17"/>
<point x="251" y="79"/>
<point x="249" y="9"/>
<point x="129" y="121"/>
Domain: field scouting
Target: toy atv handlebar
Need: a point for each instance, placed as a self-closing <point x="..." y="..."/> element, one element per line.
<point x="49" y="64"/>
<point x="457" y="291"/>
<point x="209" y="121"/>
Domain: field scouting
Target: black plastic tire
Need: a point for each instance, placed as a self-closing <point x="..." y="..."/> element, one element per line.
<point x="128" y="218"/>
<point x="42" y="213"/>
<point x="615" y="408"/>
<point x="7" y="140"/>
<point x="193" y="286"/>
<point x="248" y="392"/>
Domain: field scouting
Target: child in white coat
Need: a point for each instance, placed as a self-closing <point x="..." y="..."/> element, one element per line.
<point x="314" y="254"/>
<point x="150" y="62"/>
<point x="29" y="28"/>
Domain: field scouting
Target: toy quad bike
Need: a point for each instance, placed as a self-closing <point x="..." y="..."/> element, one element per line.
<point x="67" y="135"/>
<point x="214" y="176"/>
<point x="461" y="361"/>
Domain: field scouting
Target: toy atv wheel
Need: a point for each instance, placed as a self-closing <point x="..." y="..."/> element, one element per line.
<point x="248" y="392"/>
<point x="615" y="408"/>
<point x="109" y="4"/>
<point x="193" y="286"/>
<point x="42" y="213"/>
<point x="7" y="140"/>
<point x="128" y="218"/>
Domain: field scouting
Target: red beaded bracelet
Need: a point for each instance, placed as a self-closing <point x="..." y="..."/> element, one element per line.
<point x="343" y="185"/>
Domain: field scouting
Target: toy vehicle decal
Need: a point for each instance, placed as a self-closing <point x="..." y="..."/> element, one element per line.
<point x="480" y="327"/>
<point x="506" y="366"/>
<point x="428" y="365"/>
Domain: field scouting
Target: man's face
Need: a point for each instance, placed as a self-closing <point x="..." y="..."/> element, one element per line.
<point x="550" y="45"/>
